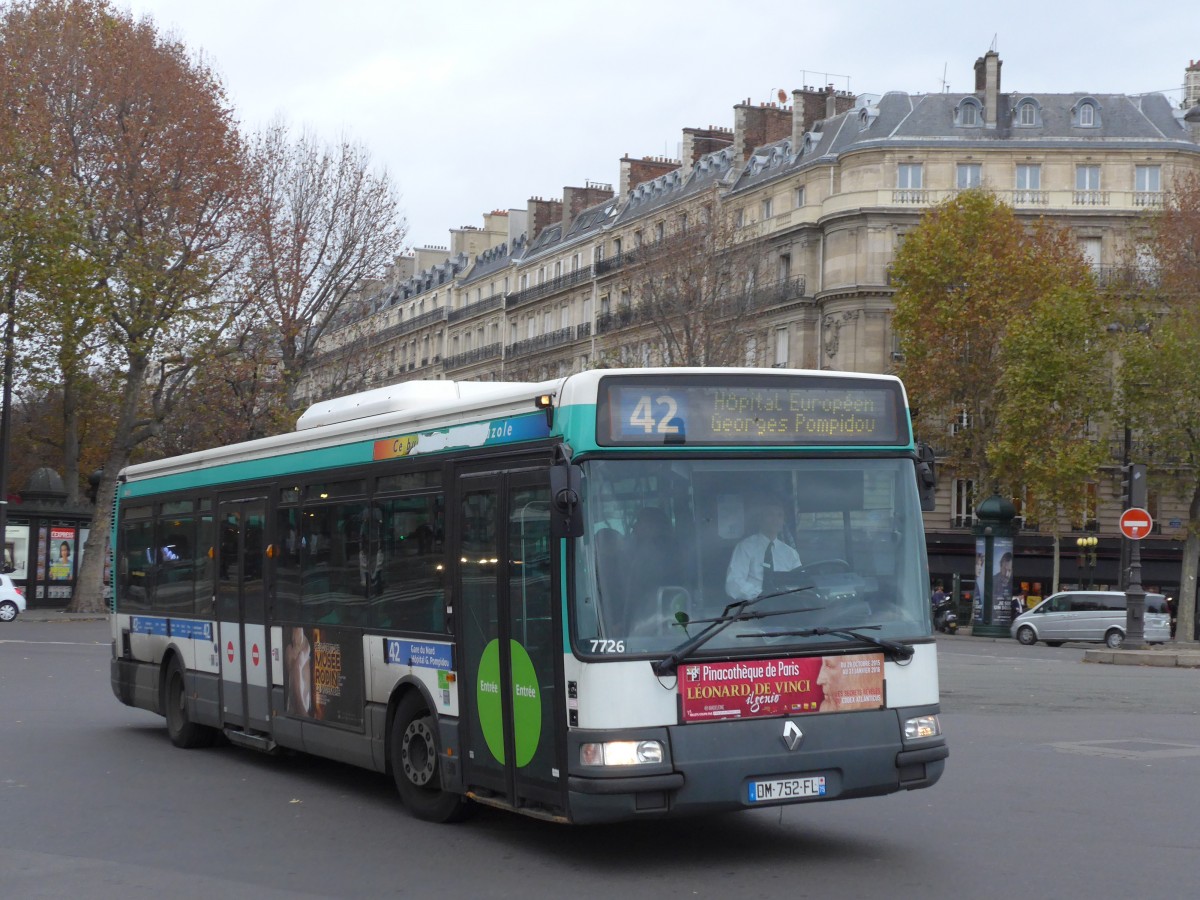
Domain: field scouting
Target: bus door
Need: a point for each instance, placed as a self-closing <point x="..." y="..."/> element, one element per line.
<point x="510" y="633"/>
<point x="241" y="611"/>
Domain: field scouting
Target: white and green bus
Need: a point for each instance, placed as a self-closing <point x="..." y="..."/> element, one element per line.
<point x="552" y="598"/>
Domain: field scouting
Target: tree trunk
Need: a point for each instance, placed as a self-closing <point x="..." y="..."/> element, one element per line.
<point x="71" y="438"/>
<point x="1185" y="627"/>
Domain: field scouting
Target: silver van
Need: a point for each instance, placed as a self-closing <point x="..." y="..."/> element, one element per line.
<point x="1089" y="616"/>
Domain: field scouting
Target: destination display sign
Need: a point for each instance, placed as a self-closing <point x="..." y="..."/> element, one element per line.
<point x="739" y="410"/>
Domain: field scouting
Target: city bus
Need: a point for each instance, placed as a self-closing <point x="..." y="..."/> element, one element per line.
<point x="545" y="597"/>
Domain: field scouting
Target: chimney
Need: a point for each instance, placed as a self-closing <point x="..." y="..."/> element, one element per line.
<point x="542" y="213"/>
<point x="696" y="143"/>
<point x="798" y="120"/>
<point x="987" y="80"/>
<point x="639" y="171"/>
<point x="577" y="199"/>
<point x="757" y="126"/>
<point x="830" y="102"/>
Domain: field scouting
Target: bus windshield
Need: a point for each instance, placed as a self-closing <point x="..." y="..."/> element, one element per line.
<point x="803" y="543"/>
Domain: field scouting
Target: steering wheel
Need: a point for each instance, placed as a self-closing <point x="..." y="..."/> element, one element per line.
<point x="825" y="567"/>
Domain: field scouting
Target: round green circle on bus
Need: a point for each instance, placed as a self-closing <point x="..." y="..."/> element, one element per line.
<point x="527" y="702"/>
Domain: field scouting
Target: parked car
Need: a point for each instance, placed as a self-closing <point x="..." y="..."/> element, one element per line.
<point x="1089" y="616"/>
<point x="12" y="601"/>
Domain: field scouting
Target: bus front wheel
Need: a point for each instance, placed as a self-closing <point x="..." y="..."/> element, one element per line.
<point x="415" y="765"/>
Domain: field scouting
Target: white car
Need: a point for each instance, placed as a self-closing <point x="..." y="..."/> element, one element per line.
<point x="12" y="601"/>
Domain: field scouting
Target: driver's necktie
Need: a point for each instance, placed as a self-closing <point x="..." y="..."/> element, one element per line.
<point x="768" y="558"/>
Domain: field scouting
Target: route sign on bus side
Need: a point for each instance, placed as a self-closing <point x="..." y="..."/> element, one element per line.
<point x="1135" y="523"/>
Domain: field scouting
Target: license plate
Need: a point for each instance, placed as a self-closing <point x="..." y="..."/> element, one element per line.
<point x="777" y="789"/>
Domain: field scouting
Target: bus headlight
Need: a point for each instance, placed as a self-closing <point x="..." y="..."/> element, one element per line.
<point x="922" y="727"/>
<point x="621" y="753"/>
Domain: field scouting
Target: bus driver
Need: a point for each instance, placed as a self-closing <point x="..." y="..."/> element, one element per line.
<point x="759" y="554"/>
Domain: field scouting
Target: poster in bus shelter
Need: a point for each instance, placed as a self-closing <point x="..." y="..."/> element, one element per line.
<point x="781" y="687"/>
<point x="16" y="551"/>
<point x="322" y="674"/>
<point x="62" y="553"/>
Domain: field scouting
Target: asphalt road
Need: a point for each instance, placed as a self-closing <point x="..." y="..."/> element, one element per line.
<point x="1065" y="780"/>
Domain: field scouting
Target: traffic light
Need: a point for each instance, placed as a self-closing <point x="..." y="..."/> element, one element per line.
<point x="1133" y="485"/>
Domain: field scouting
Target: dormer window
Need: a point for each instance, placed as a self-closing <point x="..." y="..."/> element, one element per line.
<point x="1028" y="113"/>
<point x="1086" y="113"/>
<point x="968" y="113"/>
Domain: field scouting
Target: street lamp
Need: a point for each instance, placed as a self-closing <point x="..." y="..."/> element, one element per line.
<point x="1087" y="558"/>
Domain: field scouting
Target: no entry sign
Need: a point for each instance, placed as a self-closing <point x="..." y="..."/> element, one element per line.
<point x="1135" y="523"/>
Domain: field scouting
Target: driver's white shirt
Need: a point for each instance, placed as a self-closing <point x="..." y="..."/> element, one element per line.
<point x="744" y="580"/>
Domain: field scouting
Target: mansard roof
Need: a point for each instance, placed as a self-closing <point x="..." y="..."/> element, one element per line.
<point x="928" y="121"/>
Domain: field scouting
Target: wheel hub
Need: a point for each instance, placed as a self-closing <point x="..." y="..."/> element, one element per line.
<point x="417" y="753"/>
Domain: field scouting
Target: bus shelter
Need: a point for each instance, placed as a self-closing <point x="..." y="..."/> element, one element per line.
<point x="44" y="539"/>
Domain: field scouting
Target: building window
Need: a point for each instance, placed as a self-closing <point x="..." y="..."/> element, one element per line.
<point x="637" y="239"/>
<point x="751" y="351"/>
<point x="739" y="218"/>
<point x="605" y="304"/>
<point x="969" y="114"/>
<point x="964" y="504"/>
<point x="767" y="207"/>
<point x="909" y="176"/>
<point x="1029" y="183"/>
<point x="785" y="266"/>
<point x="660" y="231"/>
<point x="587" y="309"/>
<point x="968" y="175"/>
<point x="564" y="317"/>
<point x="781" y="347"/>
<point x="1087" y="178"/>
<point x="1087" y="115"/>
<point x="799" y="196"/>
<point x="512" y="331"/>
<point x="547" y="318"/>
<point x="616" y="246"/>
<point x="683" y="222"/>
<point x="531" y="327"/>
<point x="1147" y="186"/>
<point x="1027" y="113"/>
<point x="1089" y="249"/>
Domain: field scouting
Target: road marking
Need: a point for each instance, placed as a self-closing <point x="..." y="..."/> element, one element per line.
<point x="1127" y="749"/>
<point x="59" y="643"/>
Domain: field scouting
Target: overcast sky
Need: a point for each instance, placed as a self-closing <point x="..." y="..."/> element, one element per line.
<point x="481" y="104"/>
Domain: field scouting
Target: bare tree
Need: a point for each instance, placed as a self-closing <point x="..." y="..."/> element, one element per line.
<point x="697" y="287"/>
<point x="322" y="223"/>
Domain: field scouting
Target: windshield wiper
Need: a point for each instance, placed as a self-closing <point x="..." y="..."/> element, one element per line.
<point x="901" y="652"/>
<point x="734" y="612"/>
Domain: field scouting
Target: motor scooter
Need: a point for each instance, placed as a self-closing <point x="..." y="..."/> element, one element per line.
<point x="945" y="619"/>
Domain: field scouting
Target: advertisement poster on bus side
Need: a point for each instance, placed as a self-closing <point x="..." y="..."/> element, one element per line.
<point x="781" y="687"/>
<point x="323" y="674"/>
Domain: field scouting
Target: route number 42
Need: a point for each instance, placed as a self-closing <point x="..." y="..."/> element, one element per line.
<point x="643" y="415"/>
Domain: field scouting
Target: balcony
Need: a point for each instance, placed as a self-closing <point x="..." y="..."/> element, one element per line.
<point x="475" y="309"/>
<point x="910" y="196"/>
<point x="1029" y="198"/>
<point x="779" y="292"/>
<point x="546" y="288"/>
<point x="541" y="342"/>
<point x="612" y="264"/>
<point x="1090" y="198"/>
<point x="471" y="357"/>
<point x="611" y="321"/>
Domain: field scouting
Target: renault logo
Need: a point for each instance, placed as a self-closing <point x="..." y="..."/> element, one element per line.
<point x="792" y="735"/>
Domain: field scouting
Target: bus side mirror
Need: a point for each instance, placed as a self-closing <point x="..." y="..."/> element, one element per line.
<point x="566" y="486"/>
<point x="926" y="477"/>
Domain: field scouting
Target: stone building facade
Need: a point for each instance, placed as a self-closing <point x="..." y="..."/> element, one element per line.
<point x="825" y="189"/>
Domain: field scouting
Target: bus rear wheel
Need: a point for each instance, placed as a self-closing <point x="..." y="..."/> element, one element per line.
<point x="415" y="766"/>
<point x="181" y="729"/>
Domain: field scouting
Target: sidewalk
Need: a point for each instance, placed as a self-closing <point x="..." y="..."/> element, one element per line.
<point x="1184" y="656"/>
<point x="58" y="615"/>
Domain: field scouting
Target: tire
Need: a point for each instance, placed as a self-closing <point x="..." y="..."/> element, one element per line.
<point x="1054" y="643"/>
<point x="8" y="611"/>
<point x="182" y="731"/>
<point x="1026" y="635"/>
<point x="1113" y="639"/>
<point x="415" y="764"/>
